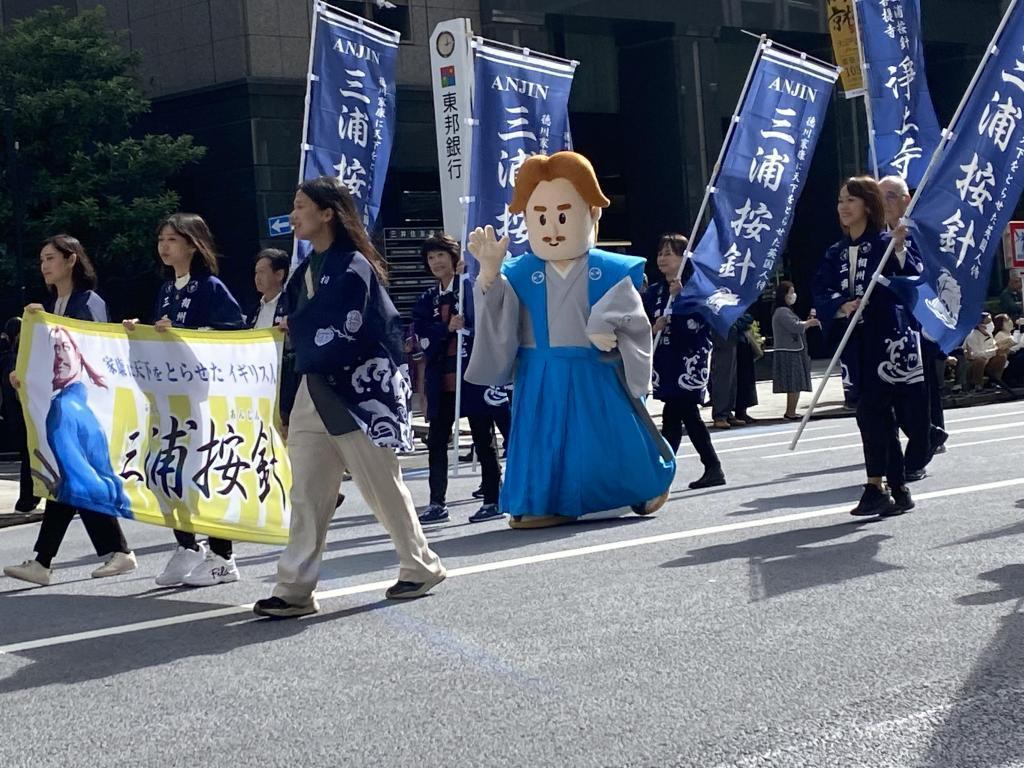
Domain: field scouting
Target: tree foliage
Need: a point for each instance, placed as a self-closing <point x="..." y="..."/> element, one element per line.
<point x="82" y="167"/>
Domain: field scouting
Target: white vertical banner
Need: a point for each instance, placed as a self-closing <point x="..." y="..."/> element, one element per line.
<point x="451" y="77"/>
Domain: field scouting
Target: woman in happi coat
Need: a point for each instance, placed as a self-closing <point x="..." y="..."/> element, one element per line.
<point x="681" y="361"/>
<point x="566" y="322"/>
<point x="194" y="297"/>
<point x="887" y="344"/>
<point x="351" y="410"/>
<point x="75" y="437"/>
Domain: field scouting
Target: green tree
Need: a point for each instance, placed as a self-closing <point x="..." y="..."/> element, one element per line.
<point x="69" y="86"/>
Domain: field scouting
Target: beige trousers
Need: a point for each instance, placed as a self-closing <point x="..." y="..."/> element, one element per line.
<point x="319" y="461"/>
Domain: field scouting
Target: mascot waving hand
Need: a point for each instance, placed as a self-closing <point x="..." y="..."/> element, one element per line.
<point x="566" y="324"/>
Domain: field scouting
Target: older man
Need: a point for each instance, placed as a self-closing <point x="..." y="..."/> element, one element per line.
<point x="929" y="438"/>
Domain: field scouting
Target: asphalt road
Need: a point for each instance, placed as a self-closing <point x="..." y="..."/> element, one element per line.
<point x="752" y="625"/>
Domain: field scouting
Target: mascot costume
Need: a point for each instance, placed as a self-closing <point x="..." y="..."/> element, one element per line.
<point x="565" y="323"/>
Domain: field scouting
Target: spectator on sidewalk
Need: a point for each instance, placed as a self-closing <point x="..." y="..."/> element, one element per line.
<point x="1008" y="339"/>
<point x="791" y="363"/>
<point x="1010" y="298"/>
<point x="748" y="352"/>
<point x="984" y="355"/>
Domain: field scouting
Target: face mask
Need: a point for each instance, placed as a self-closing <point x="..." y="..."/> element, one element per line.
<point x="791" y="299"/>
<point x="989" y="328"/>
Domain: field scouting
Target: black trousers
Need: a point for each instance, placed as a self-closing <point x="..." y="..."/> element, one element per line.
<point x="935" y="377"/>
<point x="104" y="531"/>
<point x="680" y="412"/>
<point x="221" y="547"/>
<point x="26" y="491"/>
<point x="483" y="441"/>
<point x="913" y="416"/>
<point x="876" y="417"/>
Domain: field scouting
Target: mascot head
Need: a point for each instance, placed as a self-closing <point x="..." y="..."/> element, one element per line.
<point x="562" y="203"/>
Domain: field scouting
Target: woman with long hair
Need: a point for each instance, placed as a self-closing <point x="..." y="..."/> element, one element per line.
<point x="351" y="411"/>
<point x="886" y="345"/>
<point x="71" y="283"/>
<point x="193" y="297"/>
<point x="681" y="361"/>
<point x="791" y="363"/>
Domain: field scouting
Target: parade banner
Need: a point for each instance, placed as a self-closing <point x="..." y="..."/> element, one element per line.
<point x="758" y="180"/>
<point x="177" y="429"/>
<point x="350" y="105"/>
<point x="521" y="108"/>
<point x="901" y="119"/>
<point x="969" y="194"/>
<point x="845" y="46"/>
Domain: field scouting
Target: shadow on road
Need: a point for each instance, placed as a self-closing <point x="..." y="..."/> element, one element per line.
<point x="791" y="561"/>
<point x="1017" y="529"/>
<point x="104" y="657"/>
<point x="805" y="500"/>
<point x="982" y="729"/>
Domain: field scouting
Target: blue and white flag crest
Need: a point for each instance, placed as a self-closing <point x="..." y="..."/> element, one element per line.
<point x="350" y="114"/>
<point x="906" y="131"/>
<point x="521" y="108"/>
<point x="966" y="202"/>
<point x="754" y="194"/>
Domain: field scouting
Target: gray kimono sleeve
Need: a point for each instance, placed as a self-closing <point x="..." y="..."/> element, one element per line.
<point x="621" y="311"/>
<point x="495" y="334"/>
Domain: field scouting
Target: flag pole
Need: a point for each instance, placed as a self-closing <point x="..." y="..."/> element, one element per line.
<point x="864" y="66"/>
<point x="716" y="170"/>
<point x="947" y="135"/>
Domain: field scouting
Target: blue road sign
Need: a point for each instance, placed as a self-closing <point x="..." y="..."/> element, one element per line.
<point x="278" y="226"/>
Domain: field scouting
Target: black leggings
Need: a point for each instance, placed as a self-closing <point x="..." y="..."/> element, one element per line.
<point x="682" y="411"/>
<point x="104" y="531"/>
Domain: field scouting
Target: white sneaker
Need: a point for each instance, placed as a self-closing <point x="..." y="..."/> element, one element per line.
<point x="117" y="563"/>
<point x="213" y="570"/>
<point x="30" y="570"/>
<point x="181" y="564"/>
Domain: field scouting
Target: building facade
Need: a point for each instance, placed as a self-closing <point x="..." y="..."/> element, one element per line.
<point x="656" y="86"/>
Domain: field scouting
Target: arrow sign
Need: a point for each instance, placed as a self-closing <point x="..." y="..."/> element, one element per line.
<point x="278" y="226"/>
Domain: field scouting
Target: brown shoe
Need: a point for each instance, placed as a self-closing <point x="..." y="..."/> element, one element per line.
<point x="737" y="422"/>
<point x="652" y="506"/>
<point x="721" y="424"/>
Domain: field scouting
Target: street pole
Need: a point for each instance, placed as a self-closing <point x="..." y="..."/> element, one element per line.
<point x="17" y="203"/>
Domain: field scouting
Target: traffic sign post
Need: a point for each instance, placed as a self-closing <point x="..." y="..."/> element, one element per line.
<point x="279" y="226"/>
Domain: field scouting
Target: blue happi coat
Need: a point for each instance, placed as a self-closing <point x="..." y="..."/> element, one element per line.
<point x="204" y="302"/>
<point x="682" y="359"/>
<point x="82" y="305"/>
<point x="429" y="322"/>
<point x="351" y="333"/>
<point x="886" y="347"/>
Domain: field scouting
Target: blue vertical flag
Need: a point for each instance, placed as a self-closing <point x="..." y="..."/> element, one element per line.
<point x="906" y="131"/>
<point x="521" y="106"/>
<point x="762" y="174"/>
<point x="964" y="205"/>
<point x="350" y="112"/>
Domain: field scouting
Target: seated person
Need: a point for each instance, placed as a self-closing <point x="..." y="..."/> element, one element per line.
<point x="1008" y="338"/>
<point x="984" y="356"/>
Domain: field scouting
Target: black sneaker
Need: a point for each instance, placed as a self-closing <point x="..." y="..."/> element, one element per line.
<point x="709" y="479"/>
<point x="409" y="590"/>
<point x="917" y="474"/>
<point x="478" y="493"/>
<point x="938" y="440"/>
<point x="434" y="513"/>
<point x="901" y="502"/>
<point x="485" y="513"/>
<point x="340" y="501"/>
<point x="276" y="608"/>
<point x="27" y="505"/>
<point x="873" y="502"/>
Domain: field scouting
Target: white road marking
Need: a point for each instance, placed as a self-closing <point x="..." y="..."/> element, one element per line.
<point x="498" y="565"/>
<point x="952" y="432"/>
